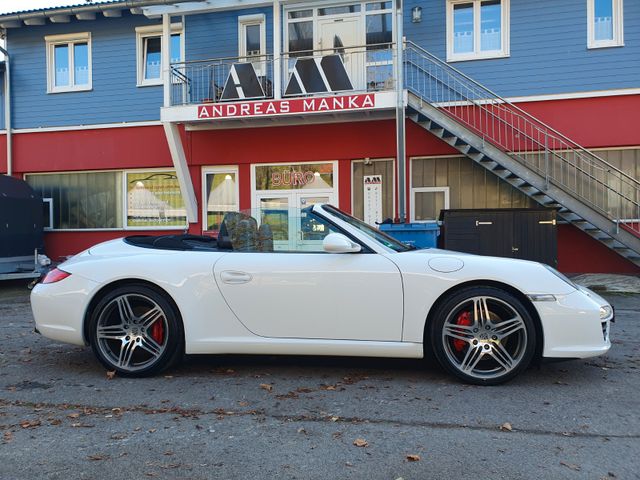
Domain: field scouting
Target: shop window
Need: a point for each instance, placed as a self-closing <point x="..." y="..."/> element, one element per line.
<point x="154" y="200"/>
<point x="80" y="200"/>
<point x="294" y="177"/>
<point x="477" y="29"/>
<point x="605" y="23"/>
<point x="149" y="52"/>
<point x="221" y="195"/>
<point x="428" y="202"/>
<point x="68" y="62"/>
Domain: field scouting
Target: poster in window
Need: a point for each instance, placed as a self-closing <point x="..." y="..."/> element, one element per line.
<point x="373" y="199"/>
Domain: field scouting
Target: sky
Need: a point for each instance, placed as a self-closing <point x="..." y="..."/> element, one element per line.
<point x="7" y="6"/>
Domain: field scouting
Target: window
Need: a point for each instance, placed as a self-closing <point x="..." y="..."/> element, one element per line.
<point x="477" y="29"/>
<point x="427" y="203"/>
<point x="220" y="195"/>
<point x="110" y="200"/>
<point x="379" y="38"/>
<point x="605" y="23"/>
<point x="154" y="200"/>
<point x="68" y="62"/>
<point x="80" y="200"/>
<point x="252" y="41"/>
<point x="149" y="52"/>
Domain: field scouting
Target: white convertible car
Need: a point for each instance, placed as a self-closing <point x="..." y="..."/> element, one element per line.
<point x="335" y="286"/>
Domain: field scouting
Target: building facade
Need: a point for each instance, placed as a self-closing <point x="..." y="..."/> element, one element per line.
<point x="265" y="105"/>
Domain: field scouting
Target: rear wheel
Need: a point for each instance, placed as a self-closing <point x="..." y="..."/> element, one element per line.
<point x="136" y="331"/>
<point x="483" y="335"/>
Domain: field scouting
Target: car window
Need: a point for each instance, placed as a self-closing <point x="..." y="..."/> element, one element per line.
<point x="275" y="230"/>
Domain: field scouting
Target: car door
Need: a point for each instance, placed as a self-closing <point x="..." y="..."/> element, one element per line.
<point x="356" y="296"/>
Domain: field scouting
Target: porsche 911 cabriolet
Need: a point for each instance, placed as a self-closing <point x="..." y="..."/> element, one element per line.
<point x="336" y="287"/>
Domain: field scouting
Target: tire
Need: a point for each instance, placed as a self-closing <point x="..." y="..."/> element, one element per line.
<point x="483" y="335"/>
<point x="136" y="331"/>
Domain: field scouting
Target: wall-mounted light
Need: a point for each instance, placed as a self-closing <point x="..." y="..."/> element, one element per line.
<point x="416" y="14"/>
<point x="227" y="177"/>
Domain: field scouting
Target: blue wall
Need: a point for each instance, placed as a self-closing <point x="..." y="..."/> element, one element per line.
<point x="114" y="98"/>
<point x="548" y="49"/>
<point x="548" y="55"/>
<point x="215" y="35"/>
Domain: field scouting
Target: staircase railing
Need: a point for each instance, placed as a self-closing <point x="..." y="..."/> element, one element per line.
<point x="558" y="159"/>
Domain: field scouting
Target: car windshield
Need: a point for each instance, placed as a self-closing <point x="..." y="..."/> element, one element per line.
<point x="376" y="234"/>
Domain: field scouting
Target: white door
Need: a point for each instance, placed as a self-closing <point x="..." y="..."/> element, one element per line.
<point x="354" y="296"/>
<point x="336" y="36"/>
<point x="281" y="211"/>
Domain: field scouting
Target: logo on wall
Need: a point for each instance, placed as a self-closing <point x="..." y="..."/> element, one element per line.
<point x="242" y="83"/>
<point x="318" y="75"/>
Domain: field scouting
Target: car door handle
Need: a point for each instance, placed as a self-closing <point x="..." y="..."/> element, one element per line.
<point x="235" y="278"/>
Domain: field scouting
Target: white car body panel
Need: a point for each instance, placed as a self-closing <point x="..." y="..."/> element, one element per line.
<point x="356" y="304"/>
<point x="311" y="295"/>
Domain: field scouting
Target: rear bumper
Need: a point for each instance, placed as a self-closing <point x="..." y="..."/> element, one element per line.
<point x="572" y="326"/>
<point x="59" y="308"/>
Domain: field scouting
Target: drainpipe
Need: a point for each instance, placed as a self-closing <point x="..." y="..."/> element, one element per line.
<point x="7" y="109"/>
<point x="400" y="127"/>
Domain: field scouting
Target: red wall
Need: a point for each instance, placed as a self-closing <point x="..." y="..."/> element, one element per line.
<point x="596" y="122"/>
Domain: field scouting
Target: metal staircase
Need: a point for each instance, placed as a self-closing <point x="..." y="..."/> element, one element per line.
<point x="588" y="192"/>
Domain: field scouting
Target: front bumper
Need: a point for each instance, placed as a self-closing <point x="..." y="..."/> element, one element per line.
<point x="572" y="326"/>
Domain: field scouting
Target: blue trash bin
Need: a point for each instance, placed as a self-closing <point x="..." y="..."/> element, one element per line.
<point x="421" y="235"/>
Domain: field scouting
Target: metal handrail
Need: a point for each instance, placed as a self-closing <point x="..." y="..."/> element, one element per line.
<point x="515" y="107"/>
<point x="577" y="171"/>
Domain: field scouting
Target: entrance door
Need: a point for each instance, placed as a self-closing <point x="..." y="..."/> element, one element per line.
<point x="281" y="211"/>
<point x="336" y="35"/>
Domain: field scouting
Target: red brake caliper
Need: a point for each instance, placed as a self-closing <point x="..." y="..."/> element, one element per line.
<point x="463" y="319"/>
<point x="157" y="332"/>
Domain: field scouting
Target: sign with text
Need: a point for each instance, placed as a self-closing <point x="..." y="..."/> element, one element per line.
<point x="373" y="199"/>
<point x="241" y="109"/>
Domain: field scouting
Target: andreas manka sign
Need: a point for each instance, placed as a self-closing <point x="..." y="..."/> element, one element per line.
<point x="270" y="108"/>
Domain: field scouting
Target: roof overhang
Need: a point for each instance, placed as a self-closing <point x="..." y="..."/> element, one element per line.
<point x="84" y="12"/>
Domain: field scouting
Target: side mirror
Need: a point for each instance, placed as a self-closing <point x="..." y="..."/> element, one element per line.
<point x="338" y="243"/>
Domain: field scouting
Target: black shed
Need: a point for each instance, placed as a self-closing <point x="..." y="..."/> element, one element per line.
<point x="21" y="225"/>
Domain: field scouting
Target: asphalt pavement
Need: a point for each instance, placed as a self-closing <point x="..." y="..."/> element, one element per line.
<point x="242" y="417"/>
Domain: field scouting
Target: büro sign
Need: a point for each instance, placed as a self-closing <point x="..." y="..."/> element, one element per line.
<point x="287" y="107"/>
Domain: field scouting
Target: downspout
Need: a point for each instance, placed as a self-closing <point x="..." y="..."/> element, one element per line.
<point x="400" y="126"/>
<point x="7" y="110"/>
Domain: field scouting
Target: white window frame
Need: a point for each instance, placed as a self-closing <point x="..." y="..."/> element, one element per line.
<point x="245" y="21"/>
<point x="68" y="39"/>
<point x="49" y="202"/>
<point x="412" y="206"/>
<point x="217" y="170"/>
<point x="478" y="54"/>
<point x="148" y="31"/>
<point x="618" y="26"/>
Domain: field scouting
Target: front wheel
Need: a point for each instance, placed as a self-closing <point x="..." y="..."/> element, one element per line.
<point x="483" y="335"/>
<point x="135" y="331"/>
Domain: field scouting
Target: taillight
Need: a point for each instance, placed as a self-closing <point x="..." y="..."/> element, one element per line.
<point x="55" y="275"/>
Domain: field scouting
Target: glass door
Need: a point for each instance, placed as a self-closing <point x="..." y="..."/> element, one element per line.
<point x="275" y="211"/>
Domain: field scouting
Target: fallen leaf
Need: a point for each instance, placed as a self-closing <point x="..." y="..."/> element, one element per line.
<point x="168" y="452"/>
<point x="55" y="421"/>
<point x="98" y="457"/>
<point x="327" y="387"/>
<point x="266" y="386"/>
<point x="152" y="430"/>
<point x="30" y="423"/>
<point x="571" y="466"/>
<point x="243" y="404"/>
<point x="168" y="376"/>
<point x="413" y="458"/>
<point x="506" y="427"/>
<point x="360" y="442"/>
<point x="73" y="415"/>
<point x="302" y="430"/>
<point x="111" y="374"/>
<point x="335" y="419"/>
<point x="7" y="437"/>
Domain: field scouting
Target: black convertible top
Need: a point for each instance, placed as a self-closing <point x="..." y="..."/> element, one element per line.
<point x="174" y="242"/>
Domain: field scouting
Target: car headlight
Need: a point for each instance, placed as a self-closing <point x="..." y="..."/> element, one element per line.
<point x="606" y="312"/>
<point x="561" y="276"/>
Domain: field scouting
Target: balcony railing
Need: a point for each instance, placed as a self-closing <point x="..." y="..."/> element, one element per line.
<point x="316" y="72"/>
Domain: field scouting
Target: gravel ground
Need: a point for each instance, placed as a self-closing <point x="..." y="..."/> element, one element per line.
<point x="295" y="417"/>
